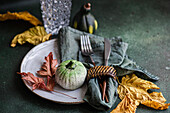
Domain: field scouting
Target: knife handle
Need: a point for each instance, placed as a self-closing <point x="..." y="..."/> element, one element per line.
<point x="92" y="60"/>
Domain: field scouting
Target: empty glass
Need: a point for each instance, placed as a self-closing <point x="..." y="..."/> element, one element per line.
<point x="55" y="14"/>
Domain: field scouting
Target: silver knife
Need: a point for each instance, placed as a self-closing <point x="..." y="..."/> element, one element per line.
<point x="107" y="49"/>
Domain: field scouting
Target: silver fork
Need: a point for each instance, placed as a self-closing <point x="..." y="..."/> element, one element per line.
<point x="86" y="48"/>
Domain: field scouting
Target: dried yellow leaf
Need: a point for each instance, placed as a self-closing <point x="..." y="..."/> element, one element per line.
<point x="134" y="90"/>
<point x="34" y="36"/>
<point x="158" y="102"/>
<point x="137" y="87"/>
<point x="20" y="15"/>
<point x="127" y="105"/>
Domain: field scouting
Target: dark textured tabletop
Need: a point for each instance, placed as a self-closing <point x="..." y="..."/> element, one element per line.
<point x="143" y="24"/>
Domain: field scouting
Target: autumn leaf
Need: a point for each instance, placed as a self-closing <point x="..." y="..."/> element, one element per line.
<point x="36" y="82"/>
<point x="39" y="83"/>
<point x="127" y="105"/>
<point x="20" y="15"/>
<point x="158" y="103"/>
<point x="48" y="68"/>
<point x="136" y="89"/>
<point x="51" y="83"/>
<point x="34" y="35"/>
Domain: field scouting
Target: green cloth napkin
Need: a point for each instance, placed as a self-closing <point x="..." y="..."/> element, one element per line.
<point x="69" y="40"/>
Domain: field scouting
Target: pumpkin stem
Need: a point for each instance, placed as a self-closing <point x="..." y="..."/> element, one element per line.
<point x="71" y="65"/>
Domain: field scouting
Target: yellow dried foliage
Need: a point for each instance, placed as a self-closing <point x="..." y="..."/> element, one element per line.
<point x="127" y="105"/>
<point x="34" y="36"/>
<point x="133" y="91"/>
<point x="20" y="15"/>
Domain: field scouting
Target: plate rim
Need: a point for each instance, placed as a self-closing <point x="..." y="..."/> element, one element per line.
<point x="21" y="66"/>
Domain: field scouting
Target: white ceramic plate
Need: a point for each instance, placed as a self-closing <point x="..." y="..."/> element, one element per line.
<point x="33" y="61"/>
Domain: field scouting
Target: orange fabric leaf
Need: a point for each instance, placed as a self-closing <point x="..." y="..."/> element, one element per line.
<point x="20" y="15"/>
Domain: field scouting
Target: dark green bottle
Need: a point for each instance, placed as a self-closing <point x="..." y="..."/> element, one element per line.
<point x="84" y="20"/>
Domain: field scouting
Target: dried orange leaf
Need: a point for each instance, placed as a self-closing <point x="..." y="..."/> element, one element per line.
<point x="137" y="90"/>
<point x="35" y="36"/>
<point x="36" y="82"/>
<point x="127" y="105"/>
<point x="48" y="68"/>
<point x="20" y="15"/>
<point x="39" y="83"/>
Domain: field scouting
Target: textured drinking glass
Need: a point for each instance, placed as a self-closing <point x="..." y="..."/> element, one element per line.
<point x="55" y="14"/>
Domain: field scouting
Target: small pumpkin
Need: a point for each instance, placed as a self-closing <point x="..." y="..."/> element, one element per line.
<point x="84" y="20"/>
<point x="71" y="74"/>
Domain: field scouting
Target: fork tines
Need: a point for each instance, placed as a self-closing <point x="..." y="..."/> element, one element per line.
<point x="85" y="44"/>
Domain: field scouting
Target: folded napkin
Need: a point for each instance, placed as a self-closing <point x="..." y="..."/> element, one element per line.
<point x="69" y="40"/>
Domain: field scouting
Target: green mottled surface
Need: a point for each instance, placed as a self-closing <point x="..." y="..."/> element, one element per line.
<point x="143" y="24"/>
<point x="71" y="66"/>
<point x="70" y="74"/>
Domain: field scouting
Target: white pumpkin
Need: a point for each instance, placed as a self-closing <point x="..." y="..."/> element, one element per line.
<point x="71" y="74"/>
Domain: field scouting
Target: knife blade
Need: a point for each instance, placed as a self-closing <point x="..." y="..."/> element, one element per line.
<point x="107" y="50"/>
